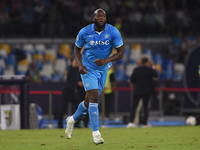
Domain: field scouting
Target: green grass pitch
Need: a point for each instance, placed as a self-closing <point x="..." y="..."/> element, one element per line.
<point x="158" y="138"/>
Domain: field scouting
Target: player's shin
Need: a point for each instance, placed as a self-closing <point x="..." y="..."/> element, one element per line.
<point x="94" y="116"/>
<point x="80" y="112"/>
<point x="94" y="120"/>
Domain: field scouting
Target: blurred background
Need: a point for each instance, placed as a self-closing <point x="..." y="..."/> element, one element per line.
<point x="40" y="35"/>
<point x="64" y="18"/>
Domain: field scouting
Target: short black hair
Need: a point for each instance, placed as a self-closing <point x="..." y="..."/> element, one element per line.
<point x="144" y="60"/>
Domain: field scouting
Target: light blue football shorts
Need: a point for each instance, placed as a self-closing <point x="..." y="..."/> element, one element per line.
<point x="94" y="79"/>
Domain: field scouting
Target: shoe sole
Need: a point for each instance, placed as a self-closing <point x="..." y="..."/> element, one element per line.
<point x="67" y="134"/>
<point x="100" y="142"/>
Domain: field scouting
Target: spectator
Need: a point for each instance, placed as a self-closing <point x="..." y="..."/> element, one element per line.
<point x="164" y="21"/>
<point x="184" y="19"/>
<point x="39" y="7"/>
<point x="15" y="17"/>
<point x="118" y="25"/>
<point x="185" y="45"/>
<point x="123" y="14"/>
<point x="19" y="54"/>
<point x="104" y="5"/>
<point x="150" y="21"/>
<point x="54" y="23"/>
<point x="75" y="24"/>
<point x="4" y="20"/>
<point x="160" y="17"/>
<point x="171" y="19"/>
<point x="41" y="18"/>
<point x="191" y="37"/>
<point x="176" y="41"/>
<point x="27" y="20"/>
<point x="88" y="12"/>
<point x="33" y="73"/>
<point x="136" y="19"/>
<point x="17" y="4"/>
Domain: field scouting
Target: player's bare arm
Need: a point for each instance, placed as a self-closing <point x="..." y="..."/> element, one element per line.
<point x="78" y="56"/>
<point x="118" y="55"/>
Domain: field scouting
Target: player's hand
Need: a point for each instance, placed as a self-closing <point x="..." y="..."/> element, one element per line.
<point x="100" y="62"/>
<point x="83" y="70"/>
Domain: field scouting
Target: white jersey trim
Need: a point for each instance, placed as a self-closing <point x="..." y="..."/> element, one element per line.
<point x="99" y="32"/>
<point x="78" y="46"/>
<point x="120" y="45"/>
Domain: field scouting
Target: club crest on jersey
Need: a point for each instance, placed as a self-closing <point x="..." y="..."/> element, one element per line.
<point x="87" y="84"/>
<point x="107" y="36"/>
<point x="99" y="42"/>
<point x="92" y="42"/>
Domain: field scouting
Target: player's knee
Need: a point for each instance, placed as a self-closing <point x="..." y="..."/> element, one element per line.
<point x="94" y="100"/>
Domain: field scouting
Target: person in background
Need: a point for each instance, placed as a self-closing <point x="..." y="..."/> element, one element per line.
<point x="4" y="20"/>
<point x="139" y="107"/>
<point x="142" y="86"/>
<point x="109" y="91"/>
<point x="33" y="73"/>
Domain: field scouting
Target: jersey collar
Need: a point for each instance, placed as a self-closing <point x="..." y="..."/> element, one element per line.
<point x="106" y="27"/>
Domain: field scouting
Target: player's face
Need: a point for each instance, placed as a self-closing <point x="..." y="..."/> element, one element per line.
<point x="100" y="19"/>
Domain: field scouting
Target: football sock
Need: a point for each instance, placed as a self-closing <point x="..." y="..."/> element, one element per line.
<point x="80" y="112"/>
<point x="94" y="116"/>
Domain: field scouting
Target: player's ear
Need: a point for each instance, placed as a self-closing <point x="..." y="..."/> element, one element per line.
<point x="93" y="19"/>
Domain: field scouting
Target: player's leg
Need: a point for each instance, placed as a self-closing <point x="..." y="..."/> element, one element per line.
<point x="138" y="112"/>
<point x="146" y="111"/>
<point x="80" y="112"/>
<point x="75" y="102"/>
<point x="136" y="99"/>
<point x="82" y="109"/>
<point x="93" y="104"/>
<point x="94" y="115"/>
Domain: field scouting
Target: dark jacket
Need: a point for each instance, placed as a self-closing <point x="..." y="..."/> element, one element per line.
<point x="142" y="79"/>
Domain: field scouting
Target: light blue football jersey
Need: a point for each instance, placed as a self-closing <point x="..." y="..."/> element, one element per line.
<point x="98" y="44"/>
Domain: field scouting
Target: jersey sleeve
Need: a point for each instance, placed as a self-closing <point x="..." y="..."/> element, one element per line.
<point x="79" y="39"/>
<point x="117" y="39"/>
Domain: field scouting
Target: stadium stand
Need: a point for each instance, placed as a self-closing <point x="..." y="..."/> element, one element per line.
<point x="53" y="60"/>
<point x="9" y="71"/>
<point x="5" y="47"/>
<point x="65" y="50"/>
